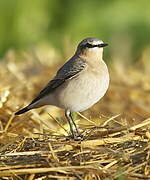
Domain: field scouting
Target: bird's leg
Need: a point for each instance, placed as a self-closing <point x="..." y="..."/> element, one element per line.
<point x="71" y="122"/>
<point x="67" y="113"/>
<point x="74" y="123"/>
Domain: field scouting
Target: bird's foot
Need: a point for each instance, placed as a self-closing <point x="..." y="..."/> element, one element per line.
<point x="75" y="136"/>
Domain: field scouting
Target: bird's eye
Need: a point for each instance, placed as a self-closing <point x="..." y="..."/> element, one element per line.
<point x="89" y="45"/>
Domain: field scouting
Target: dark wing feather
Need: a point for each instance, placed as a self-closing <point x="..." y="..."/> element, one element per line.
<point x="69" y="70"/>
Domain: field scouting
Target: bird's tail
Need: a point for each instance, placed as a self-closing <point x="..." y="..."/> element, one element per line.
<point x="21" y="111"/>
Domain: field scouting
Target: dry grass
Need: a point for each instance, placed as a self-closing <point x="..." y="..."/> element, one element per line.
<point x="116" y="130"/>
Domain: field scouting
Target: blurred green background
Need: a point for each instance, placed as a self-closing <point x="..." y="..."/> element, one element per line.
<point x="124" y="24"/>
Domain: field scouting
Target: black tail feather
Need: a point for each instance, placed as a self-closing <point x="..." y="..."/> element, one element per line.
<point x="22" y="111"/>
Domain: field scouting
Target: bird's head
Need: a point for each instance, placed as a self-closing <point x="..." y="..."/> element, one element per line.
<point x="91" y="47"/>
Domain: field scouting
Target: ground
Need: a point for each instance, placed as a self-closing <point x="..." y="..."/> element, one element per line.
<point x="36" y="145"/>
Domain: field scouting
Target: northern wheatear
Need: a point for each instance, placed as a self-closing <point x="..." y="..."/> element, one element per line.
<point x="79" y="83"/>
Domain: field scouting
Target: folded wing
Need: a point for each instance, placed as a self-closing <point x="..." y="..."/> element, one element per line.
<point x="69" y="70"/>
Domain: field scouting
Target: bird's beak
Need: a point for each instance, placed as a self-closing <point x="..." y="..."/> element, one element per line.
<point x="103" y="45"/>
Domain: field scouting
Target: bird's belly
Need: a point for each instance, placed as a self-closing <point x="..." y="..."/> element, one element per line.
<point x="78" y="94"/>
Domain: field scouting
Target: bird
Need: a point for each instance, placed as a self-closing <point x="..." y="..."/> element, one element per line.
<point x="79" y="84"/>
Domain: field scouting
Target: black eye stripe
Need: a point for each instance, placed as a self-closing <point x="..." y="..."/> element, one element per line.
<point x="90" y="45"/>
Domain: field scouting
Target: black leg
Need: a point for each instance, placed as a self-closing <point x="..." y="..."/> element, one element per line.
<point x="74" y="123"/>
<point x="71" y="122"/>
